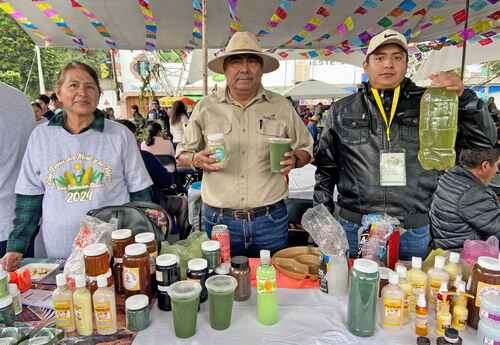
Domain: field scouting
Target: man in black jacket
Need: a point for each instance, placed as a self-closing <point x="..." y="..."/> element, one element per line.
<point x="369" y="147"/>
<point x="464" y="207"/>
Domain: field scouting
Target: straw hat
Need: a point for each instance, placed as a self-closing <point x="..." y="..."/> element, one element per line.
<point x="244" y="42"/>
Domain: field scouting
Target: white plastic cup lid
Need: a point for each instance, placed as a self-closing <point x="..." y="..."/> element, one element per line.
<point x="6" y="301"/>
<point x="167" y="259"/>
<point x="13" y="290"/>
<point x="223" y="268"/>
<point x="221" y="284"/>
<point x="95" y="249"/>
<point x="454" y="257"/>
<point x="210" y="246"/>
<point x="184" y="289"/>
<point x="102" y="281"/>
<point x="365" y="266"/>
<point x="439" y="261"/>
<point x="60" y="280"/>
<point x="384" y="272"/>
<point x="489" y="263"/>
<point x="393" y="278"/>
<point x="416" y="262"/>
<point x="121" y="234"/>
<point x="135" y="249"/>
<point x="219" y="227"/>
<point x="145" y="237"/>
<point x="80" y="281"/>
<point x="215" y="136"/>
<point x="278" y="140"/>
<point x="197" y="264"/>
<point x="136" y="302"/>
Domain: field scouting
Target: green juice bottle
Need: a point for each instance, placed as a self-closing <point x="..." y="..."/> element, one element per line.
<point x="267" y="299"/>
<point x="438" y="129"/>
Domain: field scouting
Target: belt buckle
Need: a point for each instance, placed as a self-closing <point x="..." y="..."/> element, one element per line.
<point x="244" y="214"/>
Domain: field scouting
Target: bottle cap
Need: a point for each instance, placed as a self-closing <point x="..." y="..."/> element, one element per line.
<point x="439" y="261"/>
<point x="443" y="287"/>
<point x="166" y="260"/>
<point x="416" y="262"/>
<point x="80" y="281"/>
<point x="121" y="234"/>
<point x="60" y="280"/>
<point x="197" y="264"/>
<point x="423" y="341"/>
<point x="239" y="262"/>
<point x="210" y="246"/>
<point x="215" y="136"/>
<point x="13" y="290"/>
<point x="393" y="278"/>
<point x="95" y="249"/>
<point x="221" y="284"/>
<point x="489" y="263"/>
<point x="184" y="289"/>
<point x="401" y="271"/>
<point x="102" y="281"/>
<point x="135" y="249"/>
<point x="144" y="237"/>
<point x="265" y="257"/>
<point x="365" y="266"/>
<point x="136" y="302"/>
<point x="6" y="301"/>
<point x="223" y="268"/>
<point x="450" y="334"/>
<point x="421" y="301"/>
<point x="454" y="257"/>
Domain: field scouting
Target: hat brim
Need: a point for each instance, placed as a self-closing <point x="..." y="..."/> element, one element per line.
<point x="270" y="63"/>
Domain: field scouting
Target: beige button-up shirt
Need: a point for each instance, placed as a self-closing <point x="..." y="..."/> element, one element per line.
<point x="246" y="180"/>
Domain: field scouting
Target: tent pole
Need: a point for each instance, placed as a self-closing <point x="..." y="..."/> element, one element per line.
<point x="115" y="77"/>
<point x="41" y="82"/>
<point x="464" y="48"/>
<point x="204" y="47"/>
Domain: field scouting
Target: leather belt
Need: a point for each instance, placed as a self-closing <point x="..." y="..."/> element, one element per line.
<point x="248" y="213"/>
<point x="409" y="222"/>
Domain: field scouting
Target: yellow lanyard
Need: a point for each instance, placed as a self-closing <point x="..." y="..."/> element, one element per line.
<point x="394" y="105"/>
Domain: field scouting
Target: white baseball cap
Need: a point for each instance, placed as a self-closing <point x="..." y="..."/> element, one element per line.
<point x="387" y="37"/>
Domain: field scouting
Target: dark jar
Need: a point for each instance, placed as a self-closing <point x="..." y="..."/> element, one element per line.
<point x="167" y="273"/>
<point x="241" y="271"/>
<point x="198" y="270"/>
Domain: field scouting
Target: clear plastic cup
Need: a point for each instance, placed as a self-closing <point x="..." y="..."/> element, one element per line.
<point x="220" y="300"/>
<point x="277" y="149"/>
<point x="185" y="298"/>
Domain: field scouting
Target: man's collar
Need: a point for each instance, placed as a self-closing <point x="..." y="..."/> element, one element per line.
<point x="223" y="95"/>
<point x="97" y="124"/>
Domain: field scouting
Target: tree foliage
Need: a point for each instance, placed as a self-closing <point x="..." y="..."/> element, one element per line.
<point x="18" y="56"/>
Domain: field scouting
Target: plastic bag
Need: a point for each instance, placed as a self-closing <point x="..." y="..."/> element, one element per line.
<point x="186" y="250"/>
<point x="476" y="248"/>
<point x="92" y="230"/>
<point x="324" y="229"/>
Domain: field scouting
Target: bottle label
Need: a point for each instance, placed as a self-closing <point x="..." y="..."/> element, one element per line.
<point x="483" y="314"/>
<point x="392" y="312"/>
<point x="421" y="323"/>
<point x="459" y="323"/>
<point x="131" y="278"/>
<point x="81" y="317"/>
<point x="63" y="314"/>
<point x="103" y="316"/>
<point x="266" y="286"/>
<point x="159" y="276"/>
<point x="324" y="267"/>
<point x="482" y="288"/>
<point x="489" y="341"/>
<point x="434" y="286"/>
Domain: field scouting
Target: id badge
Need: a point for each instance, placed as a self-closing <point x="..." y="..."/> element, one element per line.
<point x="392" y="169"/>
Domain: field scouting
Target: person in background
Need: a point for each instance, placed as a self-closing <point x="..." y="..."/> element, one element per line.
<point x="158" y="114"/>
<point x="464" y="207"/>
<point x="109" y="113"/>
<point x="312" y="126"/>
<point x="178" y="121"/>
<point x="55" y="105"/>
<point x="244" y="194"/>
<point x="17" y="124"/>
<point x="492" y="108"/>
<point x="156" y="144"/>
<point x="37" y="110"/>
<point x="137" y="117"/>
<point x="369" y="148"/>
<point x="76" y="162"/>
<point x="44" y="101"/>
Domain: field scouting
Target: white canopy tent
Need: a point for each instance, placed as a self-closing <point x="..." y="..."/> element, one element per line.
<point x="310" y="89"/>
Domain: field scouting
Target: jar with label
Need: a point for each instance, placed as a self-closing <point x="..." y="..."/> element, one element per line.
<point x="136" y="271"/>
<point x="137" y="313"/>
<point x="220" y="232"/>
<point x="148" y="238"/>
<point x="119" y="240"/>
<point x="167" y="273"/>
<point x="198" y="270"/>
<point x="7" y="314"/>
<point x="241" y="271"/>
<point x="96" y="263"/>
<point x="211" y="252"/>
<point x="485" y="277"/>
<point x="217" y="147"/>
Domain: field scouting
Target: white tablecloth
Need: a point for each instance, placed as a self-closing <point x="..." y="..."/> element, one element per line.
<point x="307" y="316"/>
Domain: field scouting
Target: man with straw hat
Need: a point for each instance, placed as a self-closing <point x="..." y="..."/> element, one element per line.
<point x="238" y="187"/>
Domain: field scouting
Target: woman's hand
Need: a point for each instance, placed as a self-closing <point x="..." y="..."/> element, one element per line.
<point x="11" y="260"/>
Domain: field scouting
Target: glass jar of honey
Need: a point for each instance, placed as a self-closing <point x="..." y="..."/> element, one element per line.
<point x="136" y="272"/>
<point x="119" y="240"/>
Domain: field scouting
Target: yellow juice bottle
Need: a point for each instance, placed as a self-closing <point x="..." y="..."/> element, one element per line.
<point x="436" y="276"/>
<point x="82" y="302"/>
<point x="453" y="266"/>
<point x="405" y="285"/>
<point x="104" y="307"/>
<point x="393" y="300"/>
<point x="417" y="279"/>
<point x="62" y="300"/>
<point x="460" y="311"/>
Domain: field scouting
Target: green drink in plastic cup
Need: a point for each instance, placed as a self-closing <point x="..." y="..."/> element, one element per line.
<point x="277" y="149"/>
<point x="220" y="300"/>
<point x="185" y="298"/>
